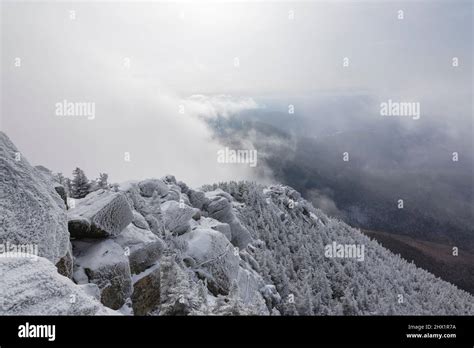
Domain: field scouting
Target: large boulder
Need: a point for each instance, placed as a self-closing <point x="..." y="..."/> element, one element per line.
<point x="214" y="258"/>
<point x="31" y="212"/>
<point x="107" y="213"/>
<point x="148" y="186"/>
<point x="174" y="193"/>
<point x="197" y="199"/>
<point x="105" y="264"/>
<point x="144" y="248"/>
<point x="33" y="287"/>
<point x="140" y="221"/>
<point x="249" y="285"/>
<point x="48" y="176"/>
<point x="220" y="208"/>
<point x="176" y="216"/>
<point x="222" y="227"/>
<point x="146" y="291"/>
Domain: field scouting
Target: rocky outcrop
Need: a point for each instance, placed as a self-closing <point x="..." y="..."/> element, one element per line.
<point x="142" y="247"/>
<point x="100" y="214"/>
<point x="33" y="287"/>
<point x="147" y="187"/>
<point x="176" y="216"/>
<point x="139" y="221"/>
<point x="146" y="291"/>
<point x="206" y="222"/>
<point x="105" y="264"/>
<point x="31" y="212"/>
<point x="215" y="258"/>
<point x="220" y="208"/>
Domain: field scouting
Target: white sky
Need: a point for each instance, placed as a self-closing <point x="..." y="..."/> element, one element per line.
<point x="181" y="49"/>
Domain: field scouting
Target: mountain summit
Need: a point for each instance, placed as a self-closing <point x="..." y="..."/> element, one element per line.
<point x="158" y="247"/>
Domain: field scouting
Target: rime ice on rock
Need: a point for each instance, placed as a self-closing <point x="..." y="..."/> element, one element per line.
<point x="31" y="212"/>
<point x="105" y="264"/>
<point x="144" y="247"/>
<point x="108" y="213"/>
<point x="33" y="287"/>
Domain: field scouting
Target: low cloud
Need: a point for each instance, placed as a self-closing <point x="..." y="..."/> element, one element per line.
<point x="214" y="106"/>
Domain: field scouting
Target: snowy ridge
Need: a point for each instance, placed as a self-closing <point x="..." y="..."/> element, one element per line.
<point x="158" y="247"/>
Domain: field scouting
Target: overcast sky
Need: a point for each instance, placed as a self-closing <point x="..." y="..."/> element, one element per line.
<point x="179" y="50"/>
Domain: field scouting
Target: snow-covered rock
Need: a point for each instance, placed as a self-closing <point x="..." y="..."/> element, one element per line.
<point x="148" y="186"/>
<point x="142" y="246"/>
<point x="139" y="220"/>
<point x="31" y="212"/>
<point x="47" y="176"/>
<point x="174" y="193"/>
<point x="33" y="287"/>
<point x="107" y="212"/>
<point x="249" y="284"/>
<point x="176" y="216"/>
<point x="215" y="258"/>
<point x="197" y="199"/>
<point x="105" y="264"/>
<point x="146" y="291"/>
<point x="220" y="208"/>
<point x="206" y="222"/>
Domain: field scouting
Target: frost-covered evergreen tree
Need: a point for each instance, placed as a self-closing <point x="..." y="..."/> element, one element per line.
<point x="102" y="181"/>
<point x="80" y="185"/>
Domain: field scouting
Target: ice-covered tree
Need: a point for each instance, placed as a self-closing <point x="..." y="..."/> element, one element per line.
<point x="80" y="185"/>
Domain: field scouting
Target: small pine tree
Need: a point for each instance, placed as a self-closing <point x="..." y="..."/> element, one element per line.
<point x="80" y="185"/>
<point x="102" y="180"/>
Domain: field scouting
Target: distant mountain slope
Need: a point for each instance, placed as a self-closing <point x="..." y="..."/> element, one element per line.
<point x="434" y="257"/>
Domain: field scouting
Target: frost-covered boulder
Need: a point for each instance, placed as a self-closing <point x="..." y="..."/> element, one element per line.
<point x="240" y="235"/>
<point x="169" y="179"/>
<point x="249" y="285"/>
<point x="146" y="291"/>
<point x="140" y="221"/>
<point x="33" y="287"/>
<point x="197" y="199"/>
<point x="107" y="212"/>
<point x="142" y="246"/>
<point x="176" y="216"/>
<point x="148" y="186"/>
<point x="31" y="212"/>
<point x="215" y="258"/>
<point x="48" y="177"/>
<point x="220" y="208"/>
<point x="134" y="198"/>
<point x="222" y="227"/>
<point x="105" y="264"/>
<point x="174" y="193"/>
